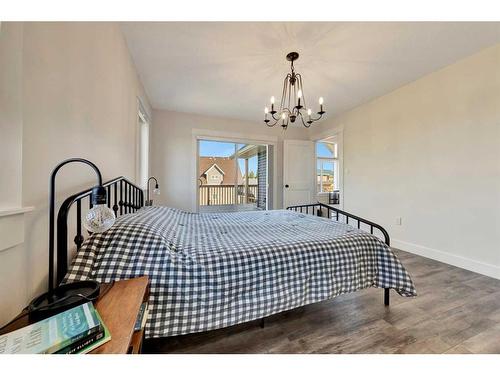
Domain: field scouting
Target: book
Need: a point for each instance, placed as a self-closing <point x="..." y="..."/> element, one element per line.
<point x="82" y="343"/>
<point x="54" y="333"/>
<point x="96" y="344"/>
<point x="142" y="317"/>
<point x="89" y="343"/>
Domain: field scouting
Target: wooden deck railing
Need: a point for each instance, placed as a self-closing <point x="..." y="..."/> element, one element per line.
<point x="227" y="194"/>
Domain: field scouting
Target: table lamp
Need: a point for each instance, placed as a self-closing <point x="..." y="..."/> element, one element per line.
<point x="98" y="219"/>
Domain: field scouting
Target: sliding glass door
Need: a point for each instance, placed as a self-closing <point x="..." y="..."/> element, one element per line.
<point x="232" y="176"/>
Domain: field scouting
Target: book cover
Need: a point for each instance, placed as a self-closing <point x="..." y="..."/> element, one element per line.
<point x="82" y="343"/>
<point x="105" y="339"/>
<point x="90" y="342"/>
<point x="54" y="333"/>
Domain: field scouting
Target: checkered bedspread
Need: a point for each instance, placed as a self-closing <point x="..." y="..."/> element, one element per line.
<point x="209" y="271"/>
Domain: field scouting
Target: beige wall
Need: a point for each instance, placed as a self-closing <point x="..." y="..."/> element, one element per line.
<point x="11" y="119"/>
<point x="12" y="259"/>
<point x="429" y="153"/>
<point x="79" y="98"/>
<point x="173" y="151"/>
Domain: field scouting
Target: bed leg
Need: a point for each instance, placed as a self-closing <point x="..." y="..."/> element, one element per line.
<point x="386" y="296"/>
<point x="261" y="323"/>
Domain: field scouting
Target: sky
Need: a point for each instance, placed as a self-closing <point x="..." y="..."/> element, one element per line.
<point x="225" y="149"/>
<point x="322" y="150"/>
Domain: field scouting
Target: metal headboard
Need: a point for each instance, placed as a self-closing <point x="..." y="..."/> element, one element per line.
<point x="123" y="197"/>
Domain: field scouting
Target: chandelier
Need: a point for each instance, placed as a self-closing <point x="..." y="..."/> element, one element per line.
<point x="293" y="102"/>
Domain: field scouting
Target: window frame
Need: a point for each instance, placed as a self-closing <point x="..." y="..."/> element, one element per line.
<point x="335" y="160"/>
<point x="143" y="150"/>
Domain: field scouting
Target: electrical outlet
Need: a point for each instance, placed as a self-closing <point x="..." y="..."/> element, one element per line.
<point x="399" y="221"/>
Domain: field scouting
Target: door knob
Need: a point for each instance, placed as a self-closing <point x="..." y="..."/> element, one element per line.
<point x="287" y="186"/>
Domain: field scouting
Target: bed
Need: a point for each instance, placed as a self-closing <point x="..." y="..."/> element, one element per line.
<point x="209" y="271"/>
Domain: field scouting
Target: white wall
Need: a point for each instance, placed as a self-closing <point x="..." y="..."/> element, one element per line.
<point x="173" y="151"/>
<point x="79" y="98"/>
<point x="429" y="152"/>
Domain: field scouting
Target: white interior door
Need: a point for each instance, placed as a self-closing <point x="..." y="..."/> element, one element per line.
<point x="298" y="172"/>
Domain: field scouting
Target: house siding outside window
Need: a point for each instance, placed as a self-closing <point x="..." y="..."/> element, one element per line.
<point x="262" y="178"/>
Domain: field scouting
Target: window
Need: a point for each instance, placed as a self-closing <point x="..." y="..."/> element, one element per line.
<point x="327" y="166"/>
<point x="232" y="176"/>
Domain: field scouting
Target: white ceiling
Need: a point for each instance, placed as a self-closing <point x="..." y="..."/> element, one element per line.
<point x="231" y="69"/>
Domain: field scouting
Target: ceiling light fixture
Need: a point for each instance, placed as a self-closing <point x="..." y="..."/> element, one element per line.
<point x="293" y="102"/>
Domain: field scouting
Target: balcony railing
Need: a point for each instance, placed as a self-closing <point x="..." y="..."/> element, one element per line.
<point x="227" y="194"/>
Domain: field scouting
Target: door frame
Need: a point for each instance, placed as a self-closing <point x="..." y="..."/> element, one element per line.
<point x="222" y="136"/>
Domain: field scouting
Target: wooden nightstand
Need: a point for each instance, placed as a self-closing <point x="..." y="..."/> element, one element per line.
<point x="118" y="307"/>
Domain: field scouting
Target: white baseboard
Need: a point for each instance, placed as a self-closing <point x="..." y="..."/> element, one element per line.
<point x="455" y="260"/>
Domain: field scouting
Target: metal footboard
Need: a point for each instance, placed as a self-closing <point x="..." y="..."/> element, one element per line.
<point x="324" y="210"/>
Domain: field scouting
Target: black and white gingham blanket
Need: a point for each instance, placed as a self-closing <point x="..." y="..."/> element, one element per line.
<point x="210" y="271"/>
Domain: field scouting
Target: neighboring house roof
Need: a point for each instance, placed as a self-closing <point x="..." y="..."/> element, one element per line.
<point x="214" y="166"/>
<point x="227" y="166"/>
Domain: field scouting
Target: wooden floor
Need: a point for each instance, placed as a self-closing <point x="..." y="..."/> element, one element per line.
<point x="457" y="311"/>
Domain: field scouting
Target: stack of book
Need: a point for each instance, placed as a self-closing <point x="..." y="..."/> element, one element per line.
<point x="78" y="330"/>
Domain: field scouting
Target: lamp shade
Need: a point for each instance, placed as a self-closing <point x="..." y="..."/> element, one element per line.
<point x="100" y="217"/>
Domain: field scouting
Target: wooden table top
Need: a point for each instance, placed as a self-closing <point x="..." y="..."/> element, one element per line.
<point x="118" y="309"/>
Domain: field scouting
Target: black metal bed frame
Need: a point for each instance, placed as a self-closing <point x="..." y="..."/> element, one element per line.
<point x="320" y="209"/>
<point x="123" y="197"/>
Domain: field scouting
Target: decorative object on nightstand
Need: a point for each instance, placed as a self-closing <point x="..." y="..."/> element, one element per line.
<point x="98" y="219"/>
<point x="156" y="191"/>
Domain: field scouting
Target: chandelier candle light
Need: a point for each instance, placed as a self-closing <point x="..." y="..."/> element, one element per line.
<point x="293" y="102"/>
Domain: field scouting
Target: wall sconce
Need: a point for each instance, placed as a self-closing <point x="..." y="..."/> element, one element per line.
<point x="156" y="191"/>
